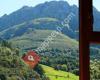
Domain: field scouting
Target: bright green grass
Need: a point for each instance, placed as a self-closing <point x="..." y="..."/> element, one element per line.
<point x="61" y="75"/>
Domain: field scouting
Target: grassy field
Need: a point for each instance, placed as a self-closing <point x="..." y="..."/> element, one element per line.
<point x="35" y="38"/>
<point x="58" y="75"/>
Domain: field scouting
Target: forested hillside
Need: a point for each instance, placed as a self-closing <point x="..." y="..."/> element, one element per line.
<point x="12" y="66"/>
<point x="27" y="29"/>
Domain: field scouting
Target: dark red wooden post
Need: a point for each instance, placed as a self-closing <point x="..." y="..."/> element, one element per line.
<point x="85" y="12"/>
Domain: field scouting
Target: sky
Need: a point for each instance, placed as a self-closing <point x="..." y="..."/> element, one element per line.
<point x="9" y="6"/>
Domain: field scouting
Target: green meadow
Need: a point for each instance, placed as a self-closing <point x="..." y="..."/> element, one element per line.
<point x="58" y="74"/>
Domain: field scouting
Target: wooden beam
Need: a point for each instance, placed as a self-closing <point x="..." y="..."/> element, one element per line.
<point x="95" y="37"/>
<point x="85" y="9"/>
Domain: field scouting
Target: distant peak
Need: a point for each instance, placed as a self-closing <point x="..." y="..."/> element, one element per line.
<point x="25" y="7"/>
<point x="60" y="1"/>
<point x="4" y="15"/>
<point x="74" y="5"/>
<point x="95" y="9"/>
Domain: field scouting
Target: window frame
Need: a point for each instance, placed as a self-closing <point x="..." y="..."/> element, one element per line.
<point x="86" y="37"/>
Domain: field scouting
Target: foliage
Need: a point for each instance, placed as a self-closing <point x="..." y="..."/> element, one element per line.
<point x="12" y="66"/>
<point x="58" y="74"/>
<point x="95" y="70"/>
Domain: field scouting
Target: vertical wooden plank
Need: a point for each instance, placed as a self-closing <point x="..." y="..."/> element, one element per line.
<point x="85" y="9"/>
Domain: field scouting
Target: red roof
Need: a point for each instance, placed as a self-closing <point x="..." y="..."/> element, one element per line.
<point x="31" y="58"/>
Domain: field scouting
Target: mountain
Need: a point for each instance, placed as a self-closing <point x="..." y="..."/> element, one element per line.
<point x="20" y="29"/>
<point x="53" y="9"/>
<point x="27" y="28"/>
<point x="54" y="51"/>
<point x="46" y="23"/>
<point x="96" y="16"/>
<point x="33" y="39"/>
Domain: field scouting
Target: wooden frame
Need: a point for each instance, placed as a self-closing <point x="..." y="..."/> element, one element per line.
<point x="87" y="36"/>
